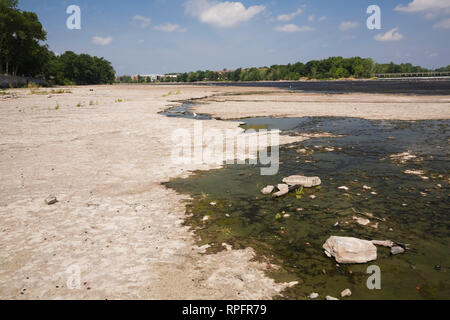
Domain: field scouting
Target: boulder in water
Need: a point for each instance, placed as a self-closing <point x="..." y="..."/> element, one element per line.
<point x="306" y="182"/>
<point x="350" y="250"/>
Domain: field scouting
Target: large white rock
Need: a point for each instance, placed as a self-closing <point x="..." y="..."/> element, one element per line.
<point x="307" y="182"/>
<point x="350" y="250"/>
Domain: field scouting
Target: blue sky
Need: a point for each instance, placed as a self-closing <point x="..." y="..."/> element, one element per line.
<point x="162" y="36"/>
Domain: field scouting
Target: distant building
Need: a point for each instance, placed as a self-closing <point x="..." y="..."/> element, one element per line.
<point x="153" y="77"/>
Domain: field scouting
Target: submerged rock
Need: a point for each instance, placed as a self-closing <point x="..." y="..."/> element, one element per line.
<point x="306" y="182"/>
<point x="361" y="221"/>
<point x="350" y="250"/>
<point x="331" y="298"/>
<point x="267" y="190"/>
<point x="397" y="250"/>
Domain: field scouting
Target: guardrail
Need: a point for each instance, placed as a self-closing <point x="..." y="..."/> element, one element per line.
<point x="413" y="75"/>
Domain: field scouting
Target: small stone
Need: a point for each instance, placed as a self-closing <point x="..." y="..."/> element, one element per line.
<point x="397" y="250"/>
<point x="312" y="197"/>
<point x="414" y="172"/>
<point x="367" y="188"/>
<point x="267" y="190"/>
<point x="313" y="295"/>
<point x="361" y="221"/>
<point x="284" y="189"/>
<point x="344" y="188"/>
<point x="51" y="200"/>
<point x="286" y="216"/>
<point x="213" y="204"/>
<point x="331" y="298"/>
<point x="346" y="293"/>
<point x="385" y="243"/>
<point x="205" y="218"/>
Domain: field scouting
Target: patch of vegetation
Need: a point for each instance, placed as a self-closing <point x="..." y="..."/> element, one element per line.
<point x="60" y="91"/>
<point x="299" y="193"/>
<point x="171" y="93"/>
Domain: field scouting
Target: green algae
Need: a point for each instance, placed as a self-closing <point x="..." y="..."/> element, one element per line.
<point x="405" y="208"/>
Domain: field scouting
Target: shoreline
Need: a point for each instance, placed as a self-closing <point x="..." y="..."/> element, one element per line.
<point x="106" y="163"/>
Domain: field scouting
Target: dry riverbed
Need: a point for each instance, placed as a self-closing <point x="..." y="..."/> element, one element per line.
<point x="103" y="152"/>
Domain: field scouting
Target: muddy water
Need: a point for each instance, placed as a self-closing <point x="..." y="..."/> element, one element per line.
<point x="407" y="208"/>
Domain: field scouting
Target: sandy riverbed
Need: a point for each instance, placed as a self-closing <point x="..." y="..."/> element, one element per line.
<point x="105" y="161"/>
<point x="277" y="103"/>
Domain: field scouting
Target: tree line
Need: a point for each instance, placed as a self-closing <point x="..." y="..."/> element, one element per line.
<point x="23" y="52"/>
<point x="331" y="68"/>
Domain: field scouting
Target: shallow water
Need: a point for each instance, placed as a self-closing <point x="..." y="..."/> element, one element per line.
<point x="423" y="86"/>
<point x="184" y="111"/>
<point x="407" y="208"/>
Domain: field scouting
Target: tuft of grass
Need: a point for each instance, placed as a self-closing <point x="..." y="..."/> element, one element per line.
<point x="57" y="106"/>
<point x="79" y="105"/>
<point x="299" y="193"/>
<point x="60" y="91"/>
<point x="119" y="100"/>
<point x="35" y="89"/>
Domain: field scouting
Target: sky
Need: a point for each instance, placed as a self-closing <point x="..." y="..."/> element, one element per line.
<point x="163" y="36"/>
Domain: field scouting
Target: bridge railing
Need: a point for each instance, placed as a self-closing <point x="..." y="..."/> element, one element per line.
<point x="413" y="75"/>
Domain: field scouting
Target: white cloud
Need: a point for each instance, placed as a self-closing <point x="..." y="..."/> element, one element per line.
<point x="391" y="35"/>
<point x="140" y="42"/>
<point x="322" y="18"/>
<point x="443" y="24"/>
<point x="170" y="27"/>
<point x="141" y="21"/>
<point x="425" y="5"/>
<point x="101" y="41"/>
<point x="290" y="16"/>
<point x="221" y="14"/>
<point x="311" y="18"/>
<point x="293" y="28"/>
<point x="348" y="25"/>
